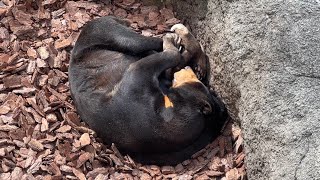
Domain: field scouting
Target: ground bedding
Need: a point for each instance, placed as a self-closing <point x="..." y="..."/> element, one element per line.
<point x="41" y="135"/>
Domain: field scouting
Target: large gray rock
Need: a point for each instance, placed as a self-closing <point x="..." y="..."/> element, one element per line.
<point x="266" y="67"/>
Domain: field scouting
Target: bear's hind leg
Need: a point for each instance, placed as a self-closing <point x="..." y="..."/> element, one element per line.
<point x="112" y="34"/>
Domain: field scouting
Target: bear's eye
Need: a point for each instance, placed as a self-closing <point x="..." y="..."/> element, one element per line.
<point x="206" y="108"/>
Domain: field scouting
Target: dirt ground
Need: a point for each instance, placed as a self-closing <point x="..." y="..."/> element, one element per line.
<point x="41" y="135"/>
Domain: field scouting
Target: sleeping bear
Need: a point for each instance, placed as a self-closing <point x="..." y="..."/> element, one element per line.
<point x="147" y="95"/>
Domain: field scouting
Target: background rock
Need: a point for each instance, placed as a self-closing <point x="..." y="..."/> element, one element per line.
<point x="265" y="58"/>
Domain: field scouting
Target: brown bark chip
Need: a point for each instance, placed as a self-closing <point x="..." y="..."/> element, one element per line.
<point x="23" y="17"/>
<point x="64" y="129"/>
<point x="116" y="160"/>
<point x="78" y="174"/>
<point x="83" y="158"/>
<point x="84" y="139"/>
<point x="145" y="176"/>
<point x="8" y="127"/>
<point x="233" y="174"/>
<point x="214" y="173"/>
<point x="167" y="170"/>
<point x="43" y="53"/>
<point x="32" y="53"/>
<point x="62" y="43"/>
<point x="35" y="145"/>
<point x="12" y="82"/>
<point x="178" y="168"/>
<point x="17" y="173"/>
<point x="41" y="134"/>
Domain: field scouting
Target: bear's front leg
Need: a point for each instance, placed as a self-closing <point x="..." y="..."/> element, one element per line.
<point x="193" y="53"/>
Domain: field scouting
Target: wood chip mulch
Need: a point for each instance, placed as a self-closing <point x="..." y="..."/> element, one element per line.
<point x="41" y="135"/>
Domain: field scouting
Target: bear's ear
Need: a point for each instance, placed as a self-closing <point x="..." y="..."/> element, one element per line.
<point x="206" y="108"/>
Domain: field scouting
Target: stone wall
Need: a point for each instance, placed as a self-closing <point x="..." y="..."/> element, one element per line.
<point x="265" y="58"/>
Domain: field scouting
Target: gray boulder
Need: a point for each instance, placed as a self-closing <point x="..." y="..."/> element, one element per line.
<point x="265" y="58"/>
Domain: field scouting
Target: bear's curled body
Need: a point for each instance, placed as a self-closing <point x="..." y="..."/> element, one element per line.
<point x="114" y="80"/>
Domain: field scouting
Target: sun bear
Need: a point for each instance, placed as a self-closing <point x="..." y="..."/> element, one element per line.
<point x="145" y="94"/>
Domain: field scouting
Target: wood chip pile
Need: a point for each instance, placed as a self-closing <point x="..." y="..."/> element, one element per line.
<point x="41" y="135"/>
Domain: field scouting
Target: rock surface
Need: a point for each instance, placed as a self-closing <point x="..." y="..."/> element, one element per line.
<point x="265" y="58"/>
